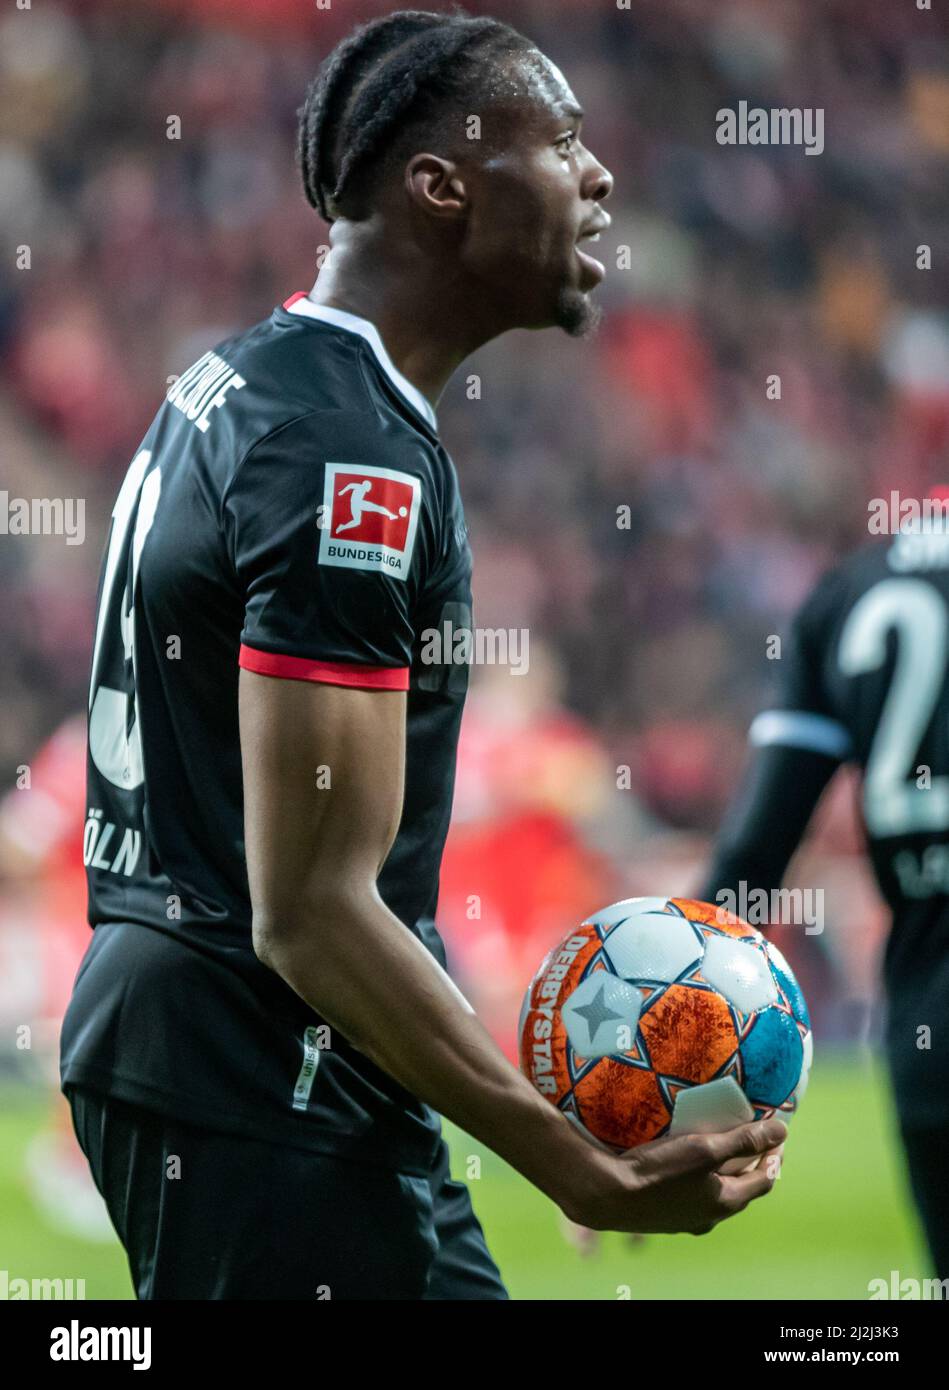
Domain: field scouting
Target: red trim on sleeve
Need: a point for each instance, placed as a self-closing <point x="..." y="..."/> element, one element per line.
<point x="302" y="668"/>
<point x="300" y="294"/>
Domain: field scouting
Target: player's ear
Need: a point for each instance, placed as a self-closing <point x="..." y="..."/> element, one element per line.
<point x="436" y="186"/>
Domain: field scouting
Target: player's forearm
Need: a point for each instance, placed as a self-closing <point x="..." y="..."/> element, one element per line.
<point x="360" y="968"/>
<point x="767" y="823"/>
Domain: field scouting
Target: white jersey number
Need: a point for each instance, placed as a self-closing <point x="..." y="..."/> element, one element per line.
<point x="916" y="612"/>
<point x="115" y="742"/>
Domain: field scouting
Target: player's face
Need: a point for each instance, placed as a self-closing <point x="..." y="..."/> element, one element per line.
<point x="540" y="201"/>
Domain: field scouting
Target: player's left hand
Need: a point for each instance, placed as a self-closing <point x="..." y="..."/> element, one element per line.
<point x="587" y="1242"/>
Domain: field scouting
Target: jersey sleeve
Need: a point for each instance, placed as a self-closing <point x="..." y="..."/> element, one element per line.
<point x="767" y="820"/>
<point x="331" y="523"/>
<point x="799" y="743"/>
<point x="803" y="716"/>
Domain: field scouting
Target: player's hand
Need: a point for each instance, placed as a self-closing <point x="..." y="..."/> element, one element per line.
<point x="675" y="1185"/>
<point x="586" y="1242"/>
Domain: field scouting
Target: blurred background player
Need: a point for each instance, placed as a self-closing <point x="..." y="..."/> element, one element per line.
<point x="867" y="683"/>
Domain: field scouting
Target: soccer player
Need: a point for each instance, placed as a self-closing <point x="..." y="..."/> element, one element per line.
<point x="262" y="1029"/>
<point x="867" y="683"/>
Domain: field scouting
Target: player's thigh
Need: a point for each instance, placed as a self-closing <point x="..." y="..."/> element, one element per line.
<point x="259" y="1221"/>
<point x="212" y="1216"/>
<point x="927" y="1155"/>
<point x="463" y="1267"/>
<point x="124" y="1146"/>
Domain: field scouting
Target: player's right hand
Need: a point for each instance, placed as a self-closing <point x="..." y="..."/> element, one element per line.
<point x="675" y="1185"/>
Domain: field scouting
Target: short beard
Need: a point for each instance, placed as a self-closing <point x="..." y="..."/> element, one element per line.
<point x="577" y="315"/>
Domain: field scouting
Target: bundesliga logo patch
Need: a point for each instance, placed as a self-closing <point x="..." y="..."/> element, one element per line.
<point x="370" y="518"/>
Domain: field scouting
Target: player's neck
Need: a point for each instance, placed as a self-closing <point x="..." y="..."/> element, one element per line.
<point x="426" y="323"/>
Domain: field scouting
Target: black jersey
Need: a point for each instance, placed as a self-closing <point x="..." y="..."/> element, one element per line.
<point x="867" y="683"/>
<point x="292" y="511"/>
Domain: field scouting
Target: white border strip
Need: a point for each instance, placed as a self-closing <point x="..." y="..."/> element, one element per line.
<point x="801" y="729"/>
<point x="353" y="323"/>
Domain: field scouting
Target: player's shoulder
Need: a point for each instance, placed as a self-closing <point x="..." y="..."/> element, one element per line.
<point x="921" y="552"/>
<point x="842" y="585"/>
<point x="308" y="392"/>
<point x="843" y="581"/>
<point x="295" y="372"/>
<point x="329" y="439"/>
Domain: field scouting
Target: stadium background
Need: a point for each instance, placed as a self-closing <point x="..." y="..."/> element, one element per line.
<point x="648" y="645"/>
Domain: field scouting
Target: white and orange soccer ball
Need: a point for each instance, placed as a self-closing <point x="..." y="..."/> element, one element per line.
<point x="665" y="1016"/>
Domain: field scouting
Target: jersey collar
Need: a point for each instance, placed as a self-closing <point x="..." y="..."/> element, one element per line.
<point x="301" y="303"/>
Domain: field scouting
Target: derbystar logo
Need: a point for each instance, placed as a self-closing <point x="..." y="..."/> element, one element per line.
<point x="370" y="516"/>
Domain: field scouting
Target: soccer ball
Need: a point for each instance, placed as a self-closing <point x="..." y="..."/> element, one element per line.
<point x="665" y="1016"/>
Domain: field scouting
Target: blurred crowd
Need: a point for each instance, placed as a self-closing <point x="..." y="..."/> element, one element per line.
<point x="129" y="252"/>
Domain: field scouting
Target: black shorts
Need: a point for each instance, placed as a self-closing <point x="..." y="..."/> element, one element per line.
<point x="218" y="1216"/>
<point x="927" y="1156"/>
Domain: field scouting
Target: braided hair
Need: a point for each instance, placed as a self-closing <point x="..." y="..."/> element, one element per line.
<point x="388" y="75"/>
